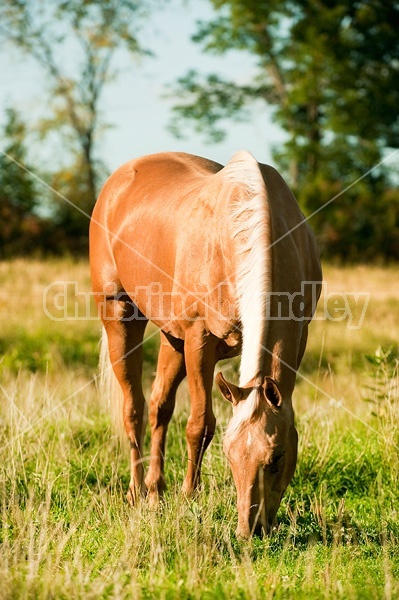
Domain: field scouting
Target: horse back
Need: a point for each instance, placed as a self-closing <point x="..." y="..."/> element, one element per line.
<point x="161" y="219"/>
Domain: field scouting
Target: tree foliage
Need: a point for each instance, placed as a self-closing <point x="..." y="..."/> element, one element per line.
<point x="15" y="183"/>
<point x="330" y="70"/>
<point x="76" y="43"/>
<point x="19" y="198"/>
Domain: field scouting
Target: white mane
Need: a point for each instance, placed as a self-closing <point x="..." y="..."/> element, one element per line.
<point x="251" y="234"/>
<point x="251" y="229"/>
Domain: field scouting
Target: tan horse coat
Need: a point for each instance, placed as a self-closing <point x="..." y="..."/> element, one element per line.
<point x="210" y="254"/>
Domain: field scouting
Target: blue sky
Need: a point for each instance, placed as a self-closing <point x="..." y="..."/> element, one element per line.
<point x="134" y="104"/>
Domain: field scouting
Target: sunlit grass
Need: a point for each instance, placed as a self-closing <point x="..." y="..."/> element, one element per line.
<point x="67" y="531"/>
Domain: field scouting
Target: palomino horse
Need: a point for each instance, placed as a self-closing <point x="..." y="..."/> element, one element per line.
<point x="222" y="260"/>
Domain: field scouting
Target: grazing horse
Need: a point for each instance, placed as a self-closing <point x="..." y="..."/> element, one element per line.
<point x="222" y="260"/>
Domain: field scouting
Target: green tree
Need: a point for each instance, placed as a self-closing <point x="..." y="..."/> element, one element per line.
<point x="330" y="70"/>
<point x="18" y="194"/>
<point x="76" y="43"/>
<point x="15" y="183"/>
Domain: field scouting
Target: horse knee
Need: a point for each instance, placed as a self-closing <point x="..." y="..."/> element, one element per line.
<point x="134" y="420"/>
<point x="162" y="405"/>
<point x="201" y="431"/>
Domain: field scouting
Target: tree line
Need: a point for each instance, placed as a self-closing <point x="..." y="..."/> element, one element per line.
<point x="329" y="70"/>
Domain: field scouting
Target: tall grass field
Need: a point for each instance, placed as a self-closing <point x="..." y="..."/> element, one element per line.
<point x="66" y="529"/>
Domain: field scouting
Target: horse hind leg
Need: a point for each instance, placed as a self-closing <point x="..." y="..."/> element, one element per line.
<point x="171" y="371"/>
<point x="125" y="327"/>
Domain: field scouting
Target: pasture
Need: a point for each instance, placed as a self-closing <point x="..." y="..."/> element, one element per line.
<point x="66" y="528"/>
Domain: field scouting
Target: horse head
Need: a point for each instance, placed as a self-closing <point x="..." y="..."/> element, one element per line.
<point x="261" y="446"/>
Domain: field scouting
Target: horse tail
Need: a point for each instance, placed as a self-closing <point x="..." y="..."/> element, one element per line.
<point x="251" y="234"/>
<point x="111" y="397"/>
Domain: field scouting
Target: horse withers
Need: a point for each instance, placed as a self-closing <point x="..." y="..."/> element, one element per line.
<point x="223" y="262"/>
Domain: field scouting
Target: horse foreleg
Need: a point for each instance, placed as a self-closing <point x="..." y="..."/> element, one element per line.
<point x="200" y="358"/>
<point x="171" y="371"/>
<point x="125" y="343"/>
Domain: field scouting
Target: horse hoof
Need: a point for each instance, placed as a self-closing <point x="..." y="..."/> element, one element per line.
<point x="134" y="494"/>
<point x="155" y="490"/>
<point x="153" y="499"/>
<point x="189" y="491"/>
<point x="131" y="497"/>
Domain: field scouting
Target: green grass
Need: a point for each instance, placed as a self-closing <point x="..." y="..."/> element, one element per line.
<point x="66" y="530"/>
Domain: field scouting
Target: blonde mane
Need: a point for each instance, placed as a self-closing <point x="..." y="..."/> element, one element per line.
<point x="251" y="232"/>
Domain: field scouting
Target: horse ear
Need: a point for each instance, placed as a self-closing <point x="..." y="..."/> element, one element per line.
<point x="229" y="391"/>
<point x="272" y="392"/>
